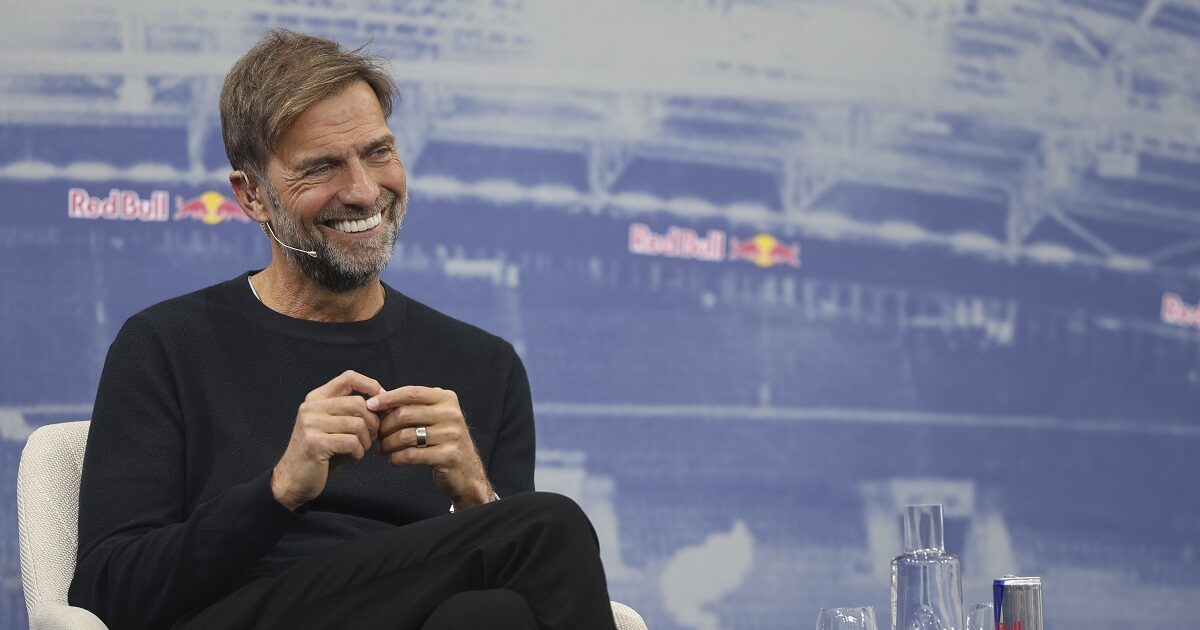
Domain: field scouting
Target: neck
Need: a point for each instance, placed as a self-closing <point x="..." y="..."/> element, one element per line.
<point x="284" y="289"/>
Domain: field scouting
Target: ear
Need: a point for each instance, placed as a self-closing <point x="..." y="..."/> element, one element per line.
<point x="248" y="195"/>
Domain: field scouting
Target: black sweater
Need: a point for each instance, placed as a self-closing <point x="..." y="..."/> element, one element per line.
<point x="195" y="406"/>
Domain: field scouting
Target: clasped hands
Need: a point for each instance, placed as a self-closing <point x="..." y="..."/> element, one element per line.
<point x="336" y="426"/>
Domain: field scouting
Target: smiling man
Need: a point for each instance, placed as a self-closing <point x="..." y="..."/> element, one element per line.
<point x="303" y="446"/>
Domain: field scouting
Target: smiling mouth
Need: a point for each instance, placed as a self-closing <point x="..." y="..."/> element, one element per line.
<point x="359" y="225"/>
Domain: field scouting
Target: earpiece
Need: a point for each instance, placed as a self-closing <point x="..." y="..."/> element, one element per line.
<point x="249" y="192"/>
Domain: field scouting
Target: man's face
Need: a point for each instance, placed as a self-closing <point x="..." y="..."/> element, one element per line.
<point x="337" y="187"/>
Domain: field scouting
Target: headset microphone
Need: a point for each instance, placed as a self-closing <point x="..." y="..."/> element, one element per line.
<point x="267" y="226"/>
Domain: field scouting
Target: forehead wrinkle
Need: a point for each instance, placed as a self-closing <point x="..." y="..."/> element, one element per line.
<point x="331" y="128"/>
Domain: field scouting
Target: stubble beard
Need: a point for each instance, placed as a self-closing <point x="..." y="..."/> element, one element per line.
<point x="341" y="269"/>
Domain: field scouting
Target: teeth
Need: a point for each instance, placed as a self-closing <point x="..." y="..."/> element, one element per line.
<point x="360" y="225"/>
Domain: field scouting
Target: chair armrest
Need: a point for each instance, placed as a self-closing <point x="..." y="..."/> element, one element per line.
<point x="627" y="618"/>
<point x="64" y="617"/>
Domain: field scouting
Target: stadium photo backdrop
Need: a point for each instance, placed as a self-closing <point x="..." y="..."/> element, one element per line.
<point x="776" y="268"/>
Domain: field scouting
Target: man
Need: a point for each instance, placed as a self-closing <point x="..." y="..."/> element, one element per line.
<point x="260" y="450"/>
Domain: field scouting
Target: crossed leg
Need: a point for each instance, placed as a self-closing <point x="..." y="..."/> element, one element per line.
<point x="537" y="546"/>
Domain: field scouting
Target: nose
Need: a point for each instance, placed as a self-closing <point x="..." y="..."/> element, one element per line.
<point x="360" y="188"/>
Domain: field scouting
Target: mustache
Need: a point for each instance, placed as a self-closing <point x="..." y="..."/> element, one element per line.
<point x="387" y="200"/>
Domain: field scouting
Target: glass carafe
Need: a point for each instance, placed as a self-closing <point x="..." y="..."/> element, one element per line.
<point x="926" y="581"/>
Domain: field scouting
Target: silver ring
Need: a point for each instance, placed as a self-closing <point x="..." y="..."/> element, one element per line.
<point x="422" y="437"/>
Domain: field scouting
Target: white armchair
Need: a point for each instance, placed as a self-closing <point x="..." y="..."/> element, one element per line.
<point x="48" y="527"/>
<point x="47" y="524"/>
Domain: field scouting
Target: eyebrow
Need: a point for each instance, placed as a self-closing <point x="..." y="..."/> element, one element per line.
<point x="313" y="161"/>
<point x="386" y="140"/>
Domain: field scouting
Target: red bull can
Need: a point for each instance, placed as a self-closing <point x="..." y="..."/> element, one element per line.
<point x="1018" y="603"/>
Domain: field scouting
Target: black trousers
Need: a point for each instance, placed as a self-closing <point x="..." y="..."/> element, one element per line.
<point x="528" y="561"/>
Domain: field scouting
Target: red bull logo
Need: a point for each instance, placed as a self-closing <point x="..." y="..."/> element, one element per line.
<point x="210" y="208"/>
<point x="765" y="251"/>
<point x="120" y="205"/>
<point x="677" y="243"/>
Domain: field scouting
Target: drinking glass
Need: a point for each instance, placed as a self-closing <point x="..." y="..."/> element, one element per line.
<point x="856" y="618"/>
<point x="982" y="617"/>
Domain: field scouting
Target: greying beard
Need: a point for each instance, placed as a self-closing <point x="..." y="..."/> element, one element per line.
<point x="332" y="268"/>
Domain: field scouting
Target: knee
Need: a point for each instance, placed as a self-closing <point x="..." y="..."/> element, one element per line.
<point x="494" y="608"/>
<point x="557" y="516"/>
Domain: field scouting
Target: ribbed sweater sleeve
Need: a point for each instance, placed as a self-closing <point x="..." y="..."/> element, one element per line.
<point x="511" y="467"/>
<point x="144" y="557"/>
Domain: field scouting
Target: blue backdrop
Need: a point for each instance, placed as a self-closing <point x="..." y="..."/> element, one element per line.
<point x="776" y="267"/>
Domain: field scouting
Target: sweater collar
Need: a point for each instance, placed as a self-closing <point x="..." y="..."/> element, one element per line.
<point x="372" y="330"/>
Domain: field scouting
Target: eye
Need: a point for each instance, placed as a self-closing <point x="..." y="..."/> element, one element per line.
<point x="320" y="171"/>
<point x="381" y="153"/>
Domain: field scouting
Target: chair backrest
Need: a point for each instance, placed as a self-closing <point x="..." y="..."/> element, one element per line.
<point x="48" y="510"/>
<point x="627" y="618"/>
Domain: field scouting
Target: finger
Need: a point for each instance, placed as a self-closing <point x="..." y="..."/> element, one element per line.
<point x="408" y="395"/>
<point x="345" y="384"/>
<point x="344" y="444"/>
<point x="347" y="406"/>
<point x="418" y="416"/>
<point x="407" y="438"/>
<point x="348" y="425"/>
<point x="326" y="446"/>
<point x="440" y="455"/>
